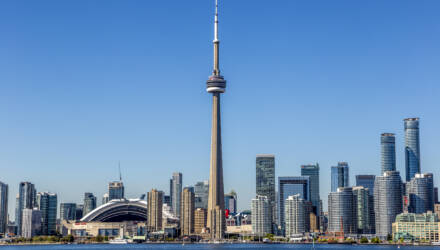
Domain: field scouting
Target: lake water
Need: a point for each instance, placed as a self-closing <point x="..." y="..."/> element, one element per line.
<point x="210" y="247"/>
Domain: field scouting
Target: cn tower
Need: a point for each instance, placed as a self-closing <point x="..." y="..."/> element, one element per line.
<point x="216" y="85"/>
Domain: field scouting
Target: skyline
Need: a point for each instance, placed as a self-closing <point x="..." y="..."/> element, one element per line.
<point x="75" y="126"/>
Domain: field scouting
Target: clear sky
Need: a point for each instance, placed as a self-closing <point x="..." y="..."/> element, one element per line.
<point x="85" y="84"/>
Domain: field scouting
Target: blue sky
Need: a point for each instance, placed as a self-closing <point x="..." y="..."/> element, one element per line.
<point x="85" y="84"/>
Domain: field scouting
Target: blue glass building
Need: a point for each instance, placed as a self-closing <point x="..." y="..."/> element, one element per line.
<point x="412" y="147"/>
<point x="339" y="176"/>
<point x="388" y="152"/>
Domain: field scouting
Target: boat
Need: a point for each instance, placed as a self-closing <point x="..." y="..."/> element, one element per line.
<point x="118" y="241"/>
<point x="435" y="243"/>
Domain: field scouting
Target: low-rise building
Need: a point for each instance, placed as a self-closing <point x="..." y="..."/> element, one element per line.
<point x="93" y="229"/>
<point x="417" y="227"/>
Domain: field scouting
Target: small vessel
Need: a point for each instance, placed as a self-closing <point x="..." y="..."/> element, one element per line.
<point x="118" y="241"/>
<point x="435" y="243"/>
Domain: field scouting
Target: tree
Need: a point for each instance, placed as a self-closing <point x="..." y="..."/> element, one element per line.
<point x="364" y="240"/>
<point x="375" y="240"/>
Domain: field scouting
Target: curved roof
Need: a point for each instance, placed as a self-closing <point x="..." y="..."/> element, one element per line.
<point x="119" y="211"/>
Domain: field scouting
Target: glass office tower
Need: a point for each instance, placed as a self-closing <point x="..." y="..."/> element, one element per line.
<point x="420" y="192"/>
<point x="339" y="176"/>
<point x="265" y="180"/>
<point x="412" y="147"/>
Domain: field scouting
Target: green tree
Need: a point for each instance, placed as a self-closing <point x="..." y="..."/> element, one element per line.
<point x="364" y="240"/>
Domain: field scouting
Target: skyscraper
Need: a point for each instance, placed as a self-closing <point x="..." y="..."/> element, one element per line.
<point x="68" y="211"/>
<point x="199" y="220"/>
<point x="4" y="192"/>
<point x="366" y="181"/>
<point x="340" y="176"/>
<point x="420" y="192"/>
<point x="116" y="190"/>
<point x="175" y="192"/>
<point x="201" y="190"/>
<point x="187" y="212"/>
<point x="312" y="171"/>
<point x="412" y="147"/>
<point x="261" y="216"/>
<point x="289" y="186"/>
<point x="47" y="204"/>
<point x="265" y="180"/>
<point x="231" y="202"/>
<point x="89" y="203"/>
<point x="362" y="209"/>
<point x="388" y="152"/>
<point x="154" y="205"/>
<point x="216" y="85"/>
<point x="31" y="225"/>
<point x="387" y="201"/>
<point x="79" y="211"/>
<point x="295" y="215"/>
<point x="341" y="212"/>
<point x="26" y="199"/>
<point x="105" y="198"/>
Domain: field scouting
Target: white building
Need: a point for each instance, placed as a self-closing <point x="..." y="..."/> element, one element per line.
<point x="294" y="215"/>
<point x="261" y="216"/>
<point x="31" y="222"/>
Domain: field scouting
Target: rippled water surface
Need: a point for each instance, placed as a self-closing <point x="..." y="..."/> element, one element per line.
<point x="209" y="246"/>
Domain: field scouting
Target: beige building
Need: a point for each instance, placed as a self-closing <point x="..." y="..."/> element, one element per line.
<point x="417" y="227"/>
<point x="199" y="220"/>
<point x="187" y="211"/>
<point x="437" y="209"/>
<point x="93" y="229"/>
<point x="154" y="210"/>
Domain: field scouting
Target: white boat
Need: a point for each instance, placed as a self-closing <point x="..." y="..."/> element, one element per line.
<point x="118" y="241"/>
<point x="435" y="243"/>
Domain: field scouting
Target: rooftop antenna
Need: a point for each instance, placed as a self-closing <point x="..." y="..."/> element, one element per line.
<point x="120" y="175"/>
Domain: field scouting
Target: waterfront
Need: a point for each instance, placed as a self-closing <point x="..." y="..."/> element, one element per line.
<point x="209" y="246"/>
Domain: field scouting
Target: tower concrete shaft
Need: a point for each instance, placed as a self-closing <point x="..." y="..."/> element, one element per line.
<point x="216" y="201"/>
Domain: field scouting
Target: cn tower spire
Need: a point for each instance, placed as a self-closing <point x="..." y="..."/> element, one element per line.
<point x="216" y="42"/>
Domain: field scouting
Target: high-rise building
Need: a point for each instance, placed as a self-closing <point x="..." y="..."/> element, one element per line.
<point x="366" y="181"/>
<point x="68" y="211"/>
<point x="116" y="190"/>
<point x="167" y="200"/>
<point x="295" y="215"/>
<point x="388" y="152"/>
<point x="387" y="201"/>
<point x="187" y="212"/>
<point x="31" y="223"/>
<point x="176" y="190"/>
<point x="89" y="203"/>
<point x="199" y="220"/>
<point x="154" y="205"/>
<point x="265" y="180"/>
<point x="261" y="216"/>
<point x="340" y="176"/>
<point x="341" y="212"/>
<point x="231" y="202"/>
<point x="216" y="85"/>
<point x="412" y="147"/>
<point x="26" y="198"/>
<point x="363" y="210"/>
<point x="288" y="186"/>
<point x="4" y="192"/>
<point x="105" y="199"/>
<point x="201" y="190"/>
<point x="79" y="211"/>
<point x="312" y="171"/>
<point x="47" y="204"/>
<point x="420" y="191"/>
<point x="435" y="195"/>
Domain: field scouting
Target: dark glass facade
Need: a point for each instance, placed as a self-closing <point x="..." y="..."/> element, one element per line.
<point x="265" y="180"/>
<point x="412" y="147"/>
<point x="339" y="176"/>
<point x="388" y="152"/>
